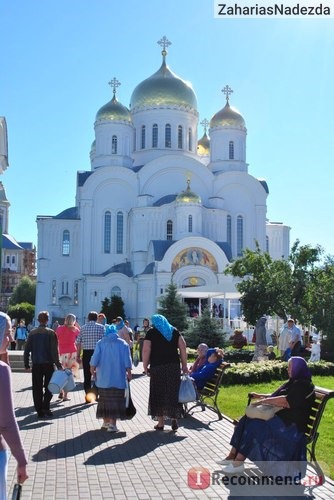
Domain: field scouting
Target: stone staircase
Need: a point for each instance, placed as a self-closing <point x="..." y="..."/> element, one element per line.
<point x="16" y="361"/>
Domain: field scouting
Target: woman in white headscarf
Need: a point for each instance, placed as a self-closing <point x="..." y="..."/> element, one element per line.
<point x="161" y="349"/>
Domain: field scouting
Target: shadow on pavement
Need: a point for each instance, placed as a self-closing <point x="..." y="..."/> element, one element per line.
<point x="135" y="447"/>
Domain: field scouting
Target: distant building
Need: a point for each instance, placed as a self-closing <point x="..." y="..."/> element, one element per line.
<point x="156" y="205"/>
<point x="18" y="259"/>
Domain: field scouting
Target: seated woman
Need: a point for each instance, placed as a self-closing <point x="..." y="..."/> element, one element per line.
<point x="214" y="358"/>
<point x="279" y="444"/>
<point x="202" y="349"/>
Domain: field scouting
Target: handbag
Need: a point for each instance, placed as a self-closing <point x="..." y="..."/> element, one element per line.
<point x="187" y="391"/>
<point x="263" y="412"/>
<point x="130" y="409"/>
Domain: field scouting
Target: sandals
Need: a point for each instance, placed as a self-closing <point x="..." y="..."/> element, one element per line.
<point x="159" y="428"/>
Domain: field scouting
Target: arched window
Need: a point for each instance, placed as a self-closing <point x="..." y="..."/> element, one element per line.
<point x="229" y="230"/>
<point x="143" y="132"/>
<point x="64" y="287"/>
<point x="76" y="292"/>
<point x="114" y="145"/>
<point x="190" y="140"/>
<point x="168" y="136"/>
<point x="54" y="291"/>
<point x="116" y="291"/>
<point x="119" y="232"/>
<point x="155" y="136"/>
<point x="169" y="235"/>
<point x="190" y="224"/>
<point x="231" y="150"/>
<point x="240" y="235"/>
<point x="107" y="232"/>
<point x="66" y="242"/>
<point x="180" y="137"/>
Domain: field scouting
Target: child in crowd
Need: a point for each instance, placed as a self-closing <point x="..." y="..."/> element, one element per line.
<point x="271" y="354"/>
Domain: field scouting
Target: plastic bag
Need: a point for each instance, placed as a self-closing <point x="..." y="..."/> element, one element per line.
<point x="135" y="359"/>
<point x="187" y="391"/>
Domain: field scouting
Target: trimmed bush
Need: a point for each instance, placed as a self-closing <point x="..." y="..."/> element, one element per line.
<point x="253" y="373"/>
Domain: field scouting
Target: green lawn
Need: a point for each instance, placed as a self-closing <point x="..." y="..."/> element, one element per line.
<point x="233" y="399"/>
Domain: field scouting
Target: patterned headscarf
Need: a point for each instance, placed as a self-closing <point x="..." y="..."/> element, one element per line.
<point x="163" y="326"/>
<point x="111" y="330"/>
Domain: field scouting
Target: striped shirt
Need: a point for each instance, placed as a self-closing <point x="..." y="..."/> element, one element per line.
<point x="90" y="334"/>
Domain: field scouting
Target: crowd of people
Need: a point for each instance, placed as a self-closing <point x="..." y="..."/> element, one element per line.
<point x="104" y="351"/>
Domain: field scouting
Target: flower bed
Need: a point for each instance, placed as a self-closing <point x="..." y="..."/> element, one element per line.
<point x="252" y="373"/>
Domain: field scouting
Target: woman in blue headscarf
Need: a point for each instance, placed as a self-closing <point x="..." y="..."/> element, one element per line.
<point x="161" y="349"/>
<point x="111" y="365"/>
<point x="279" y="444"/>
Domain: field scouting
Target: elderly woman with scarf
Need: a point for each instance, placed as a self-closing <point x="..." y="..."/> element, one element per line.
<point x="161" y="349"/>
<point x="111" y="364"/>
<point x="279" y="444"/>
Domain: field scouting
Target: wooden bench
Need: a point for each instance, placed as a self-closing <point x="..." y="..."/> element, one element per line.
<point x="322" y="395"/>
<point x="207" y="397"/>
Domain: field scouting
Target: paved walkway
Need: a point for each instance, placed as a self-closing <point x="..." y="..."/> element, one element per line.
<point x="72" y="458"/>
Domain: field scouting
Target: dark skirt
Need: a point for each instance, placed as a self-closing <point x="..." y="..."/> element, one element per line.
<point x="278" y="449"/>
<point x="164" y="391"/>
<point x="111" y="403"/>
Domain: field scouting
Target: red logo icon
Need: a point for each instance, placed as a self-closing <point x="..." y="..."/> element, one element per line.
<point x="198" y="478"/>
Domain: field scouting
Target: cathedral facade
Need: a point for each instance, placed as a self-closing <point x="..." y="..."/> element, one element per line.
<point x="157" y="205"/>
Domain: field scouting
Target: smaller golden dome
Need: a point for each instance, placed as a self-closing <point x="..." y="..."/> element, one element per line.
<point x="228" y="117"/>
<point x="114" y="111"/>
<point x="188" y="196"/>
<point x="203" y="145"/>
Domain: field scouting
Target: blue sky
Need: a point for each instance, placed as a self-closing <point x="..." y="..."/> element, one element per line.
<point x="57" y="58"/>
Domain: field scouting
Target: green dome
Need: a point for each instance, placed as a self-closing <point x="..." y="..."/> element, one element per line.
<point x="188" y="196"/>
<point x="114" y="111"/>
<point x="228" y="117"/>
<point x="203" y="145"/>
<point x="163" y="89"/>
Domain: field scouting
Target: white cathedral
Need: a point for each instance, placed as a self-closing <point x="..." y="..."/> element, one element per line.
<point x="157" y="205"/>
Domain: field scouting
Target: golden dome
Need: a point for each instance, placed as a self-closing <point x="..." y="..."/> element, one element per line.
<point x="203" y="145"/>
<point x="114" y="111"/>
<point x="228" y="117"/>
<point x="163" y="89"/>
<point x="188" y="196"/>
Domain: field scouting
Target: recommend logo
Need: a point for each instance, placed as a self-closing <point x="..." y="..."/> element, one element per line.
<point x="199" y="478"/>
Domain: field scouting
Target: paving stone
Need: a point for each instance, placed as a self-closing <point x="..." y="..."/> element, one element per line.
<point x="70" y="457"/>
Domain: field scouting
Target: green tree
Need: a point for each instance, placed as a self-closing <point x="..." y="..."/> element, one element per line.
<point x="265" y="284"/>
<point x="276" y="287"/>
<point x="113" y="307"/>
<point x="172" y="307"/>
<point x="205" y="329"/>
<point x="25" y="291"/>
<point x="320" y="301"/>
<point x="24" y="311"/>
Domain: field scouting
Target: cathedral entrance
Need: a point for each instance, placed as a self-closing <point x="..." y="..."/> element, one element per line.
<point x="195" y="306"/>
